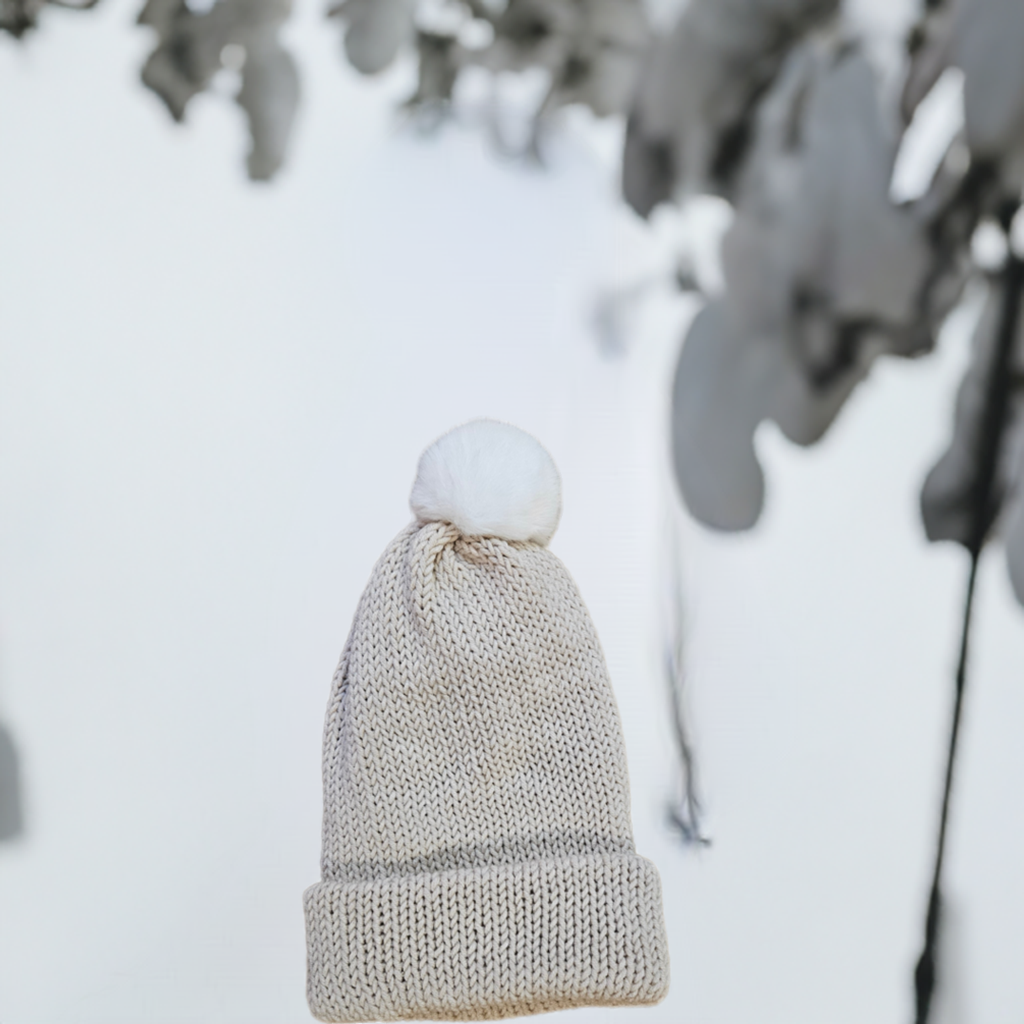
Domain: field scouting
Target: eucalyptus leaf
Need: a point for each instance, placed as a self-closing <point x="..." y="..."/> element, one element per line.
<point x="18" y="16"/>
<point x="988" y="40"/>
<point x="698" y="92"/>
<point x="822" y="275"/>
<point x="930" y="47"/>
<point x="590" y="48"/>
<point x="601" y="67"/>
<point x="375" y="31"/>
<point x="949" y="494"/>
<point x="270" y="97"/>
<point x="717" y="403"/>
<point x="194" y="46"/>
<point x="11" y="811"/>
<point x="1014" y="530"/>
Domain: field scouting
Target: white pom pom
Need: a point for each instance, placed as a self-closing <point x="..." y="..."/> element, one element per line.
<point x="489" y="479"/>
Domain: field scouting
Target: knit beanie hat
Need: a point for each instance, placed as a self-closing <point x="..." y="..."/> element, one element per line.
<point x="478" y="859"/>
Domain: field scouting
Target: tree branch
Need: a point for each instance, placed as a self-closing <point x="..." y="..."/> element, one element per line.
<point x="985" y="500"/>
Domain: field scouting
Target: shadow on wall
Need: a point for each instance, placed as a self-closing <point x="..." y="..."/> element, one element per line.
<point x="11" y="817"/>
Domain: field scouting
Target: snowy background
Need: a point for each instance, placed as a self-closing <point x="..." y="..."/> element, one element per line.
<point x="212" y="399"/>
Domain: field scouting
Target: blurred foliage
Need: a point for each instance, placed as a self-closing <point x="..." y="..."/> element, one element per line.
<point x="242" y="35"/>
<point x="777" y="107"/>
<point x="589" y="49"/>
<point x="773" y="105"/>
<point x="18" y="16"/>
<point x="11" y="814"/>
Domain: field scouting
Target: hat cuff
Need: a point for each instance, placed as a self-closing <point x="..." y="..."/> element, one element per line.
<point x="487" y="942"/>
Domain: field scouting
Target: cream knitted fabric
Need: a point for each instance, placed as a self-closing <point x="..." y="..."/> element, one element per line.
<point x="478" y="859"/>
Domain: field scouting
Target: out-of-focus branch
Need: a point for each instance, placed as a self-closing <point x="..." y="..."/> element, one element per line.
<point x="985" y="501"/>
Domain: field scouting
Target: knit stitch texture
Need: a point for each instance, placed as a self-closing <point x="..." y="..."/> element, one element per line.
<point x="478" y="858"/>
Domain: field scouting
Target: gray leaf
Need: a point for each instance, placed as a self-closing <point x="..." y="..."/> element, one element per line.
<point x="376" y="31"/>
<point x="1015" y="533"/>
<point x="601" y="67"/>
<point x="18" y="16"/>
<point x="947" y="497"/>
<point x="189" y="54"/>
<point x="716" y="406"/>
<point x="822" y="275"/>
<point x="270" y="97"/>
<point x="988" y="43"/>
<point x="931" y="55"/>
<point x="698" y="90"/>
<point x="11" y="815"/>
<point x="867" y="255"/>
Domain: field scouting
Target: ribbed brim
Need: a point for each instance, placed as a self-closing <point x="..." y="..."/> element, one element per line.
<point x="490" y="942"/>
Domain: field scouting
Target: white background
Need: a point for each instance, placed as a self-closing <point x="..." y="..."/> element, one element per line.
<point x="212" y="399"/>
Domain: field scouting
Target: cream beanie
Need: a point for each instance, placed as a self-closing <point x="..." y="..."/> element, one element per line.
<point x="478" y="859"/>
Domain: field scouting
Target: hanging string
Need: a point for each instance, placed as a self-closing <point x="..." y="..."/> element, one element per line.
<point x="685" y="811"/>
